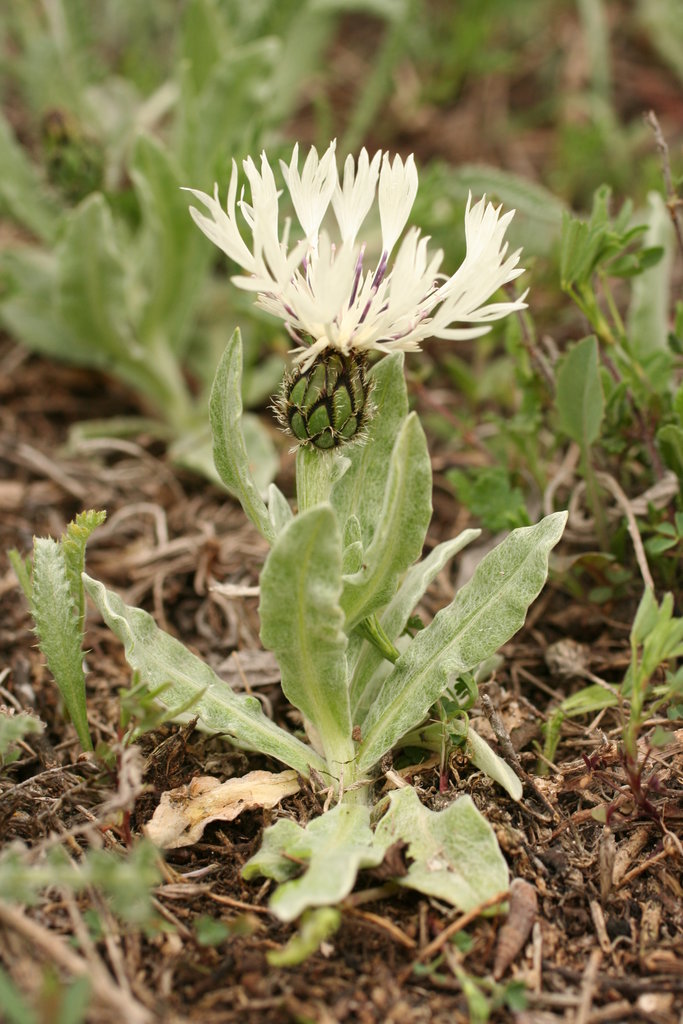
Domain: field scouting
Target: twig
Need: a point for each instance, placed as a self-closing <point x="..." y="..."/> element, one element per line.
<point x="661" y="855"/>
<point x="460" y="922"/>
<point x="673" y="200"/>
<point x="564" y="475"/>
<point x="62" y="769"/>
<point x="501" y="733"/>
<point x="228" y="901"/>
<point x="588" y="987"/>
<point x="611" y="484"/>
<point x="386" y="925"/>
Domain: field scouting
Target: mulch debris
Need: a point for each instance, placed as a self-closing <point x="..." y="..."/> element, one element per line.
<point x="595" y="930"/>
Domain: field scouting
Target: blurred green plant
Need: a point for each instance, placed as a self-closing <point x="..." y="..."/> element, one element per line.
<point x="484" y="996"/>
<point x="609" y="407"/>
<point x="653" y="682"/>
<point x="13" y="729"/>
<point x="113" y="113"/>
<point x="126" y="882"/>
<point x="56" y="1001"/>
<point x="619" y="390"/>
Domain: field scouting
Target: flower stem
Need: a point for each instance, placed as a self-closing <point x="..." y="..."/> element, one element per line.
<point x="316" y="472"/>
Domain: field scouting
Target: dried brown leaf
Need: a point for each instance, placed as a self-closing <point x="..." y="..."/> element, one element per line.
<point x="184" y="813"/>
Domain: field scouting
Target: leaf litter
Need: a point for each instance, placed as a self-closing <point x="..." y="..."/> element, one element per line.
<point x="605" y="940"/>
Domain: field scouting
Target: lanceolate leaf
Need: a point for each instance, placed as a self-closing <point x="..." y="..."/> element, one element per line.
<point x="278" y="508"/>
<point x="229" y="451"/>
<point x="175" y="260"/>
<point x="163" y="661"/>
<point x="360" y="491"/>
<point x="302" y="623"/>
<point x="91" y="281"/>
<point x="22" y="193"/>
<point x="431" y="737"/>
<point x="401" y="526"/>
<point x="484" y="614"/>
<point x="394" y="618"/>
<point x="58" y="628"/>
<point x="580" y="400"/>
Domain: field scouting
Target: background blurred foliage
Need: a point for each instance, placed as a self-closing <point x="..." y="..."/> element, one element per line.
<point x="108" y="109"/>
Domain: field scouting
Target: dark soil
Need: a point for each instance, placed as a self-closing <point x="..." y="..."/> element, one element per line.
<point x="607" y="938"/>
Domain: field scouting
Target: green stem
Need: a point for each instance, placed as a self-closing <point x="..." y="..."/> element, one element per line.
<point x="371" y="630"/>
<point x="316" y="472"/>
<point x="612" y="306"/>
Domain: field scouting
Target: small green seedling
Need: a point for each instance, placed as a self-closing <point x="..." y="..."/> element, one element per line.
<point x="52" y="582"/>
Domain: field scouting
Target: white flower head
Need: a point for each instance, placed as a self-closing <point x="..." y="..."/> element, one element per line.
<point x="320" y="284"/>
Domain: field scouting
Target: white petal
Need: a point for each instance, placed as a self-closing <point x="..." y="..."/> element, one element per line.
<point x="311" y="191"/>
<point x="484" y="270"/>
<point x="354" y="197"/>
<point x="221" y="225"/>
<point x="397" y="191"/>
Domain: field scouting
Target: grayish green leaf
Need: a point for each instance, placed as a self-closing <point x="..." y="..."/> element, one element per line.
<point x="73" y="545"/>
<point x="278" y="509"/>
<point x="163" y="661"/>
<point x="22" y="193"/>
<point x="91" y="280"/>
<point x="174" y="259"/>
<point x="364" y="683"/>
<point x="22" y="570"/>
<point x="316" y="926"/>
<point x="353" y="547"/>
<point x="360" y="492"/>
<point x="454" y="852"/>
<point x="194" y="450"/>
<point x="401" y="528"/>
<point x="484" y="614"/>
<point x="336" y="846"/>
<point x="302" y="623"/>
<point x="229" y="450"/>
<point x="486" y="759"/>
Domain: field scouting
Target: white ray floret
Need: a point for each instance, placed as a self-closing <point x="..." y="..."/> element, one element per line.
<point x="320" y="285"/>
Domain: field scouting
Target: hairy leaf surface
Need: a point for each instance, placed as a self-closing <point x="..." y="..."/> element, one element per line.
<point x="229" y="450"/>
<point x="484" y="614"/>
<point x="302" y="623"/>
<point x="401" y="527"/>
<point x="164" y="662"/>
